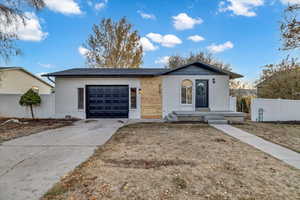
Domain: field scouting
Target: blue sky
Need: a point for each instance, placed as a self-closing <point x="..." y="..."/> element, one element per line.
<point x="244" y="33"/>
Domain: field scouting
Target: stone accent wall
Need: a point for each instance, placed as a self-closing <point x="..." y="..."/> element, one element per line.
<point x="151" y="98"/>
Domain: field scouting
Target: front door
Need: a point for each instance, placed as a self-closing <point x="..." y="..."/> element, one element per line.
<point x="201" y="94"/>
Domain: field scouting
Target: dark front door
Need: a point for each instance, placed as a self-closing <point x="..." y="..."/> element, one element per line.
<point x="107" y="101"/>
<point x="201" y="93"/>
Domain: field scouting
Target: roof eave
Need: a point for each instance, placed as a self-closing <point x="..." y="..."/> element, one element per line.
<point x="102" y="75"/>
<point x="235" y="76"/>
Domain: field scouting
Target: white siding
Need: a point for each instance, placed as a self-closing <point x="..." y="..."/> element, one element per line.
<point x="10" y="107"/>
<point x="275" y="109"/>
<point x="66" y="94"/>
<point x="218" y="93"/>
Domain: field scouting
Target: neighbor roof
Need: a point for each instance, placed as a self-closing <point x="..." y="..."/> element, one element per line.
<point x="27" y="72"/>
<point x="3" y="68"/>
<point x="125" y="72"/>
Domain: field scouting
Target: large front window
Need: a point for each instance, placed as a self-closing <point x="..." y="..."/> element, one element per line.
<point x="186" y="92"/>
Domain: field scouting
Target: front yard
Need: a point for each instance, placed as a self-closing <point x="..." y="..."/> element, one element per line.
<point x="177" y="161"/>
<point x="284" y="134"/>
<point x="12" y="130"/>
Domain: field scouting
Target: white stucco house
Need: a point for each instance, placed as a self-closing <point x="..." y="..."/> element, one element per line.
<point x="141" y="93"/>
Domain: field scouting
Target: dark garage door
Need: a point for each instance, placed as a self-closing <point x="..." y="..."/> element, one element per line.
<point x="107" y="101"/>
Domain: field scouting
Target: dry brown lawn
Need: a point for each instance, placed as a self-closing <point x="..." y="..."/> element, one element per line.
<point x="13" y="130"/>
<point x="284" y="134"/>
<point x="177" y="161"/>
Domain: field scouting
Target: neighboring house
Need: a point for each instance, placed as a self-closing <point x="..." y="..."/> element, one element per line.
<point x="140" y="93"/>
<point x="16" y="80"/>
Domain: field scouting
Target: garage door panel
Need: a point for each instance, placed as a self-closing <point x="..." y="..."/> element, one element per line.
<point x="107" y="101"/>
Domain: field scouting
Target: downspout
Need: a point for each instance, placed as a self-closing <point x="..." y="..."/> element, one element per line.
<point x="50" y="80"/>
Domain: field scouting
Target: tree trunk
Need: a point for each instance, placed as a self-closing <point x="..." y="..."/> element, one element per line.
<point x="31" y="109"/>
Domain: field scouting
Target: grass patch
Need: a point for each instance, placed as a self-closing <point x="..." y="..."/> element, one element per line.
<point x="286" y="134"/>
<point x="164" y="161"/>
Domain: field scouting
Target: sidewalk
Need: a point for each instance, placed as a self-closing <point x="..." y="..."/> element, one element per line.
<point x="288" y="156"/>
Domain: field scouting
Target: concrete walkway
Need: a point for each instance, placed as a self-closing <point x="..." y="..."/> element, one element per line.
<point x="288" y="156"/>
<point x="29" y="166"/>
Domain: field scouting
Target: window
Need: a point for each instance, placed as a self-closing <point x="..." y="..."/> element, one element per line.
<point x="133" y="96"/>
<point x="80" y="95"/>
<point x="186" y="92"/>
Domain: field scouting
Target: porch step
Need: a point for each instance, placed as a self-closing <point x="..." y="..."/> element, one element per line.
<point x="217" y="121"/>
<point x="213" y="117"/>
<point x="203" y="109"/>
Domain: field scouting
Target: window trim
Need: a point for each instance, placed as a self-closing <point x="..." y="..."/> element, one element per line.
<point x="82" y="106"/>
<point x="136" y="98"/>
<point x="186" y="104"/>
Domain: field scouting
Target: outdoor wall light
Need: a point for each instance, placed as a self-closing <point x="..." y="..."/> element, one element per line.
<point x="214" y="80"/>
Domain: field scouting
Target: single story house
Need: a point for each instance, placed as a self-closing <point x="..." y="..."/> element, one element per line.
<point x="148" y="93"/>
<point x="17" y="80"/>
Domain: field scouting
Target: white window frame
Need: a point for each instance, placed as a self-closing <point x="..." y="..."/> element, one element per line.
<point x="77" y="89"/>
<point x="186" y="104"/>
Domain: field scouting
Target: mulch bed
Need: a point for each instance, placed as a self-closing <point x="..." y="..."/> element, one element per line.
<point x="12" y="130"/>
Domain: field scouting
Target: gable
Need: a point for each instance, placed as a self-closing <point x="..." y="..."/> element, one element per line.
<point x="17" y="81"/>
<point x="194" y="70"/>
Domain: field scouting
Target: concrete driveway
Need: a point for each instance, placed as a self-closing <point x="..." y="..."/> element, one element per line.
<point x="30" y="165"/>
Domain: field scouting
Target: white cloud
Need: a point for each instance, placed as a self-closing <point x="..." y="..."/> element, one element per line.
<point x="147" y="44"/>
<point x="30" y="30"/>
<point x="101" y="5"/>
<point x="162" y="60"/>
<point x="155" y="37"/>
<point x="290" y="1"/>
<point x="220" y="48"/>
<point x="67" y="7"/>
<point x="83" y="51"/>
<point x="182" y="21"/>
<point x="48" y="66"/>
<point x="196" y="38"/>
<point x="240" y="7"/>
<point x="168" y="40"/>
<point x="146" y="15"/>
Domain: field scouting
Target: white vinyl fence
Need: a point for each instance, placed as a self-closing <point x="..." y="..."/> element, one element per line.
<point x="275" y="110"/>
<point x="232" y="104"/>
<point x="10" y="107"/>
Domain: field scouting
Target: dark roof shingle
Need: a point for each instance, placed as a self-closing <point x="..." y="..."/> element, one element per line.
<point x="125" y="72"/>
<point x="109" y="72"/>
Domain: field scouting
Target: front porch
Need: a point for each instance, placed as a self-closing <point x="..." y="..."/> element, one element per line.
<point x="211" y="117"/>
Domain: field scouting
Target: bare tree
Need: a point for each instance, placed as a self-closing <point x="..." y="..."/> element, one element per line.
<point x="11" y="12"/>
<point x="114" y="45"/>
<point x="290" y="28"/>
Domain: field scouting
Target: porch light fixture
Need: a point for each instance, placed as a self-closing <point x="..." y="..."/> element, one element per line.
<point x="214" y="80"/>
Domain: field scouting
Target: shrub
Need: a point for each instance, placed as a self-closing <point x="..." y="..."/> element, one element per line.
<point x="30" y="98"/>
